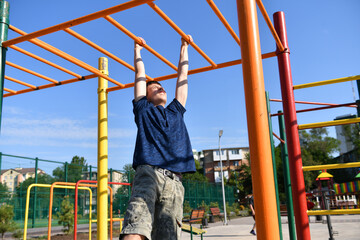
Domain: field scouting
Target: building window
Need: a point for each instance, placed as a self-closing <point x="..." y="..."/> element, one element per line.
<point x="217" y="152"/>
<point x="235" y="152"/>
<point x="236" y="163"/>
<point x="11" y="177"/>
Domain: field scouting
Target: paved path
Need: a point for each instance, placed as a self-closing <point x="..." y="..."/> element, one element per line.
<point x="347" y="227"/>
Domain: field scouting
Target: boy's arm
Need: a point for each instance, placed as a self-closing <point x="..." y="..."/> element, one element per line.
<point x="140" y="79"/>
<point x="182" y="82"/>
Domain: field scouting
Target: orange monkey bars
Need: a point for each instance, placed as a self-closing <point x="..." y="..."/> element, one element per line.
<point x="75" y="22"/>
<point x="223" y="20"/>
<point x="135" y="38"/>
<point x="45" y="61"/>
<point x="180" y="32"/>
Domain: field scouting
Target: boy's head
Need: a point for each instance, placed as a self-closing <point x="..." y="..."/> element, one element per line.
<point x="155" y="93"/>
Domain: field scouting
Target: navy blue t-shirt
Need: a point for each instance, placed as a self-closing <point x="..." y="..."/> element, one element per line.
<point x="162" y="139"/>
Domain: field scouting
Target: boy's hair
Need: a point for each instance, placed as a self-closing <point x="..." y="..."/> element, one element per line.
<point x="152" y="82"/>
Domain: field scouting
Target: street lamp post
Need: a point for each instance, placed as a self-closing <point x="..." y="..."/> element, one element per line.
<point x="222" y="180"/>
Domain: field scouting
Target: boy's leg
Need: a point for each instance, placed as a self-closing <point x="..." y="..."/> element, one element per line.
<point x="140" y="212"/>
<point x="169" y="210"/>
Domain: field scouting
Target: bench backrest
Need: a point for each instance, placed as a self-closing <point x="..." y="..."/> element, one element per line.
<point x="215" y="211"/>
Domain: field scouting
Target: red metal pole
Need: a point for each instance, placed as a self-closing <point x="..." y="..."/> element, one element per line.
<point x="292" y="134"/>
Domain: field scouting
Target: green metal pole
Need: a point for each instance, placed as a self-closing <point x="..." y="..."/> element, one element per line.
<point x="287" y="180"/>
<point x="90" y="172"/>
<point x="274" y="164"/>
<point x="0" y="160"/>
<point x="4" y="28"/>
<point x="66" y="176"/>
<point x="35" y="192"/>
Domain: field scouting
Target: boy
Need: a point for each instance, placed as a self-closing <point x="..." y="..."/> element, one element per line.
<point x="162" y="152"/>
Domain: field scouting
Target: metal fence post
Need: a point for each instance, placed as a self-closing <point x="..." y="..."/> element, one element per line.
<point x="35" y="191"/>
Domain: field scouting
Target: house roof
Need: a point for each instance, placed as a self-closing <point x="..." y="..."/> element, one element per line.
<point x="21" y="170"/>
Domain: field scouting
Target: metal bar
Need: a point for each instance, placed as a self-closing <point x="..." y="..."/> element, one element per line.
<point x="66" y="56"/>
<point x="258" y="125"/>
<point x="31" y="72"/>
<point x="21" y="82"/>
<point x="274" y="164"/>
<point x="9" y="90"/>
<point x="274" y="134"/>
<point x="333" y="212"/>
<point x="4" y="29"/>
<point x="287" y="180"/>
<point x="314" y="103"/>
<point x="329" y="123"/>
<point x="50" y="85"/>
<point x="326" y="82"/>
<point x="180" y="32"/>
<point x="45" y="61"/>
<point x="102" y="158"/>
<point x="223" y="20"/>
<point x="194" y="71"/>
<point x="331" y="166"/>
<point x="292" y="134"/>
<point x="270" y="25"/>
<point x="100" y="49"/>
<point x="136" y="39"/>
<point x="319" y="108"/>
<point x="76" y="21"/>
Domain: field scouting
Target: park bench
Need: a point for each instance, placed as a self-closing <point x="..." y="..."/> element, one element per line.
<point x="215" y="211"/>
<point x="196" y="216"/>
<point x="193" y="230"/>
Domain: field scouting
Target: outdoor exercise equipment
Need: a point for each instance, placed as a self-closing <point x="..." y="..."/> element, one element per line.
<point x="257" y="117"/>
<point x="49" y="186"/>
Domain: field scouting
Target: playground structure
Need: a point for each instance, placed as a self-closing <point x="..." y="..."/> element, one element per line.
<point x="81" y="184"/>
<point x="256" y="107"/>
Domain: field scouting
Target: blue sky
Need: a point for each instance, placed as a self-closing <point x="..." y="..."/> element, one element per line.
<point x="61" y="122"/>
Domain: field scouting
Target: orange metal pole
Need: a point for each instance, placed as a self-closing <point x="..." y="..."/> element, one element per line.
<point x="31" y="72"/>
<point x="267" y="223"/>
<point x="9" y="90"/>
<point x="45" y="61"/>
<point x="270" y="25"/>
<point x="75" y="22"/>
<point x="180" y="32"/>
<point x="50" y="85"/>
<point x="100" y="49"/>
<point x="223" y="20"/>
<point x="135" y="38"/>
<point x="20" y="82"/>
<point x="66" y="56"/>
<point x="194" y="71"/>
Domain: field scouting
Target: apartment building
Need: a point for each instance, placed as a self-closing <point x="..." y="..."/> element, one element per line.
<point x="232" y="159"/>
<point x="14" y="176"/>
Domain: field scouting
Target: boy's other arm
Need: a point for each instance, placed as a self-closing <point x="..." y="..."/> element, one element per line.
<point x="140" y="79"/>
<point x="182" y="82"/>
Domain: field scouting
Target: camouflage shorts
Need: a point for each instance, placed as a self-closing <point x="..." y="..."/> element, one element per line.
<point x="155" y="208"/>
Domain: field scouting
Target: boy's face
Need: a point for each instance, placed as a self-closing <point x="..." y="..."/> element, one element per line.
<point x="156" y="94"/>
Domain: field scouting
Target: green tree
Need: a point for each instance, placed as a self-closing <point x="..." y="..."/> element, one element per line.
<point x="42" y="196"/>
<point x="197" y="176"/>
<point x="122" y="195"/>
<point x="75" y="170"/>
<point x="4" y="193"/>
<point x="316" y="149"/>
<point x="66" y="215"/>
<point x="7" y="223"/>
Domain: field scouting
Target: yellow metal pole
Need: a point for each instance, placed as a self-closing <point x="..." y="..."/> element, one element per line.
<point x="102" y="191"/>
<point x="331" y="166"/>
<point x="267" y="223"/>
<point x="331" y="81"/>
<point x="334" y="212"/>
<point x="329" y="123"/>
